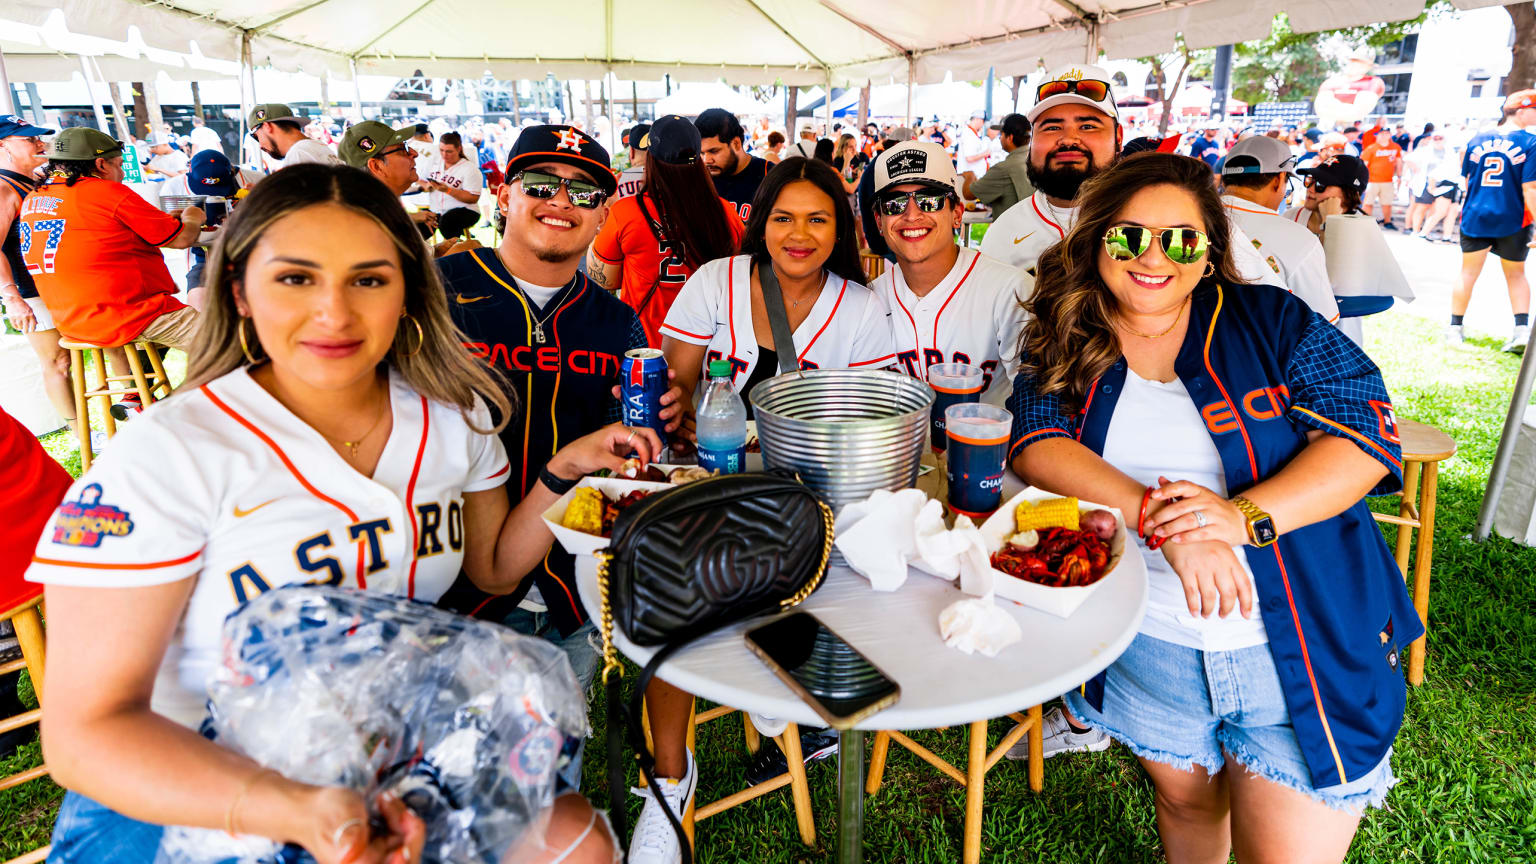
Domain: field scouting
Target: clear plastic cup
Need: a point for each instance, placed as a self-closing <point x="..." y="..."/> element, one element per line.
<point x="978" y="450"/>
<point x="953" y="384"/>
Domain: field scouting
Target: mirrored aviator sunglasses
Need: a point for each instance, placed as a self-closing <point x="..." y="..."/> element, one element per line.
<point x="537" y="184"/>
<point x="895" y="204"/>
<point x="1091" y="88"/>
<point x="1180" y="245"/>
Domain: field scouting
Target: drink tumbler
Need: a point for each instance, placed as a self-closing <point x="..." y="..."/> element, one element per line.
<point x="642" y="383"/>
<point x="953" y="384"/>
<point x="214" y="210"/>
<point x="978" y="448"/>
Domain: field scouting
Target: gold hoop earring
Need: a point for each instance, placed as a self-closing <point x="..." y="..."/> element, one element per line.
<point x="245" y="347"/>
<point x="1210" y="269"/>
<point x="421" y="338"/>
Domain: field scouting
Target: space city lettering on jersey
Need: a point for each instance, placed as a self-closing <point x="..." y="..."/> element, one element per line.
<point x="1263" y="403"/>
<point x="438" y="529"/>
<point x="86" y="521"/>
<point x="524" y="358"/>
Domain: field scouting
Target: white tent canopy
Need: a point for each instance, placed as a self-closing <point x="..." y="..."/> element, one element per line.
<point x="802" y="42"/>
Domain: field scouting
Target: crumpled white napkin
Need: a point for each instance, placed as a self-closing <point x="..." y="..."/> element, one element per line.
<point x="978" y="625"/>
<point x="883" y="535"/>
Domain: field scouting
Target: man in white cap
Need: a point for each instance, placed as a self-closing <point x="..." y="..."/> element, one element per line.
<point x="948" y="304"/>
<point x="972" y="153"/>
<point x="1255" y="179"/>
<point x="1075" y="133"/>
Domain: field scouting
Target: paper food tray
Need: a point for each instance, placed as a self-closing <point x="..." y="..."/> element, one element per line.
<point x="579" y="543"/>
<point x="1061" y="602"/>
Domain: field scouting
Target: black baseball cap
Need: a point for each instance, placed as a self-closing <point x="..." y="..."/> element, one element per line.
<point x="719" y="123"/>
<point x="1344" y="171"/>
<point x="674" y="140"/>
<point x="1015" y="126"/>
<point x="566" y="144"/>
<point x="635" y="137"/>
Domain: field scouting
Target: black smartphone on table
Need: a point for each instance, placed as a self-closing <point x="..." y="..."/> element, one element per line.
<point x="830" y="675"/>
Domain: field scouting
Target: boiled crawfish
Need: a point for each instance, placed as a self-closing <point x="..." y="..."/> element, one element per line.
<point x="1063" y="558"/>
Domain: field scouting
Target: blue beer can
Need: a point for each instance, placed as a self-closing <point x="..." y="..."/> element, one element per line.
<point x="978" y="450"/>
<point x="953" y="384"/>
<point x="643" y="381"/>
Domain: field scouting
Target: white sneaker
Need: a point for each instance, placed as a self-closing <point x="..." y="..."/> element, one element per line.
<point x="1517" y="340"/>
<point x="654" y="841"/>
<point x="1060" y="737"/>
<point x="1455" y="334"/>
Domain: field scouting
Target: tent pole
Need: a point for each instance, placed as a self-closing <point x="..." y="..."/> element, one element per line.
<point x="911" y="73"/>
<point x="1506" y="451"/>
<point x="1092" y="48"/>
<point x="90" y="87"/>
<point x="9" y="102"/>
<point x="828" y="103"/>
<point x="357" y="91"/>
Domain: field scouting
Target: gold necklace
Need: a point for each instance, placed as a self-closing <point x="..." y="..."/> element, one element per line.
<point x="1176" y="319"/>
<point x="353" y="445"/>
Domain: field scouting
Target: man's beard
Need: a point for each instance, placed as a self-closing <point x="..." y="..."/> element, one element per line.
<point x="552" y="255"/>
<point x="1063" y="181"/>
<point x="728" y="169"/>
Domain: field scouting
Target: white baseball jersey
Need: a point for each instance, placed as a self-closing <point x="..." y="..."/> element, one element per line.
<point x="1288" y="249"/>
<point x="227" y="487"/>
<point x="1028" y="228"/>
<point x="973" y="316"/>
<point x="847" y="328"/>
<point x="462" y="175"/>
<point x="630" y="182"/>
<point x="309" y="150"/>
<point x="971" y="154"/>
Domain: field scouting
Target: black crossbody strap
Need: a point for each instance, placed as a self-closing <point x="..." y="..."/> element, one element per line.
<point x="778" y="320"/>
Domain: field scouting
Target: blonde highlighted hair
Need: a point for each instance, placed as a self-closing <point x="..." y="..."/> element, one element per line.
<point x="438" y="368"/>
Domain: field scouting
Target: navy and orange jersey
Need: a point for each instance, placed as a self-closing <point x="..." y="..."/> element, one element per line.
<point x="1265" y="370"/>
<point x="562" y="385"/>
<point x="11" y="243"/>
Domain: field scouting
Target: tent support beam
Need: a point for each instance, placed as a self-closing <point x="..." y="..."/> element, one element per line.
<point x="889" y="42"/>
<point x="247" y="86"/>
<point x="8" y="102"/>
<point x="357" y="92"/>
<point x="286" y="15"/>
<point x="90" y="87"/>
<point x="393" y="27"/>
<point x="790" y="36"/>
<point x="1506" y="451"/>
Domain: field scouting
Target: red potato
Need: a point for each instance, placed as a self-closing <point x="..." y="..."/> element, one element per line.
<point x="1100" y="522"/>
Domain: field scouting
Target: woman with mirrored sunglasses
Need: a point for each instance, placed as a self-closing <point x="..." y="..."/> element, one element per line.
<point x="1239" y="434"/>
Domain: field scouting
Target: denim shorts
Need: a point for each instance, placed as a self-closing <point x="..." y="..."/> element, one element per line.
<point x="86" y="832"/>
<point x="1182" y="707"/>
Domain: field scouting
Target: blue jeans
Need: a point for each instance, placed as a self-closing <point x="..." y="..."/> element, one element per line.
<point x="90" y="833"/>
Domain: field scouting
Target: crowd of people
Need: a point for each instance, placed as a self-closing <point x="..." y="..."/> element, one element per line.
<point x="374" y="401"/>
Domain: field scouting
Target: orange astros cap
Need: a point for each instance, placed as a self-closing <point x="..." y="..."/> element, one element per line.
<point x="1520" y="99"/>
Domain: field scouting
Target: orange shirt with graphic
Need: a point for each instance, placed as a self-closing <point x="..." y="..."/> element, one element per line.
<point x="627" y="240"/>
<point x="1382" y="157"/>
<point x="93" y="250"/>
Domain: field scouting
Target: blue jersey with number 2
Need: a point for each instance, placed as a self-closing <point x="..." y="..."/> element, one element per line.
<point x="1497" y="164"/>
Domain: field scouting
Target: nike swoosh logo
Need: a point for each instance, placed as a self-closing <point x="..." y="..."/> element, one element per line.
<point x="1018" y="240"/>
<point x="466" y="300"/>
<point x="241" y="514"/>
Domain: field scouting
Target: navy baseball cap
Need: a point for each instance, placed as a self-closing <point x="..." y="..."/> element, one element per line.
<point x="12" y="126"/>
<point x="635" y="137"/>
<point x="566" y="144"/>
<point x="674" y="140"/>
<point x="211" y="174"/>
<point x="1344" y="171"/>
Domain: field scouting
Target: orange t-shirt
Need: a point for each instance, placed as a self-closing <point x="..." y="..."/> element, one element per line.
<point x="93" y="250"/>
<point x="1382" y="157"/>
<point x="627" y="240"/>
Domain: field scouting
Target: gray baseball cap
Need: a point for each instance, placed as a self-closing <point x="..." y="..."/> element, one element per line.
<point x="1259" y="154"/>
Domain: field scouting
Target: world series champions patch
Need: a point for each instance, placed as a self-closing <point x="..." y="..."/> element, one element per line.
<point x="85" y="521"/>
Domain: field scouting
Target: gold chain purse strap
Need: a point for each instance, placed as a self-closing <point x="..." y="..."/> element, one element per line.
<point x="611" y="662"/>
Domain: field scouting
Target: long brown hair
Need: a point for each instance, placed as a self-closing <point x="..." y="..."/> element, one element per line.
<point x="1070" y="338"/>
<point x="689" y="211"/>
<point x="439" y="368"/>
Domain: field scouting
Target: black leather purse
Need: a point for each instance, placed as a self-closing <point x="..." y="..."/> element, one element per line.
<point x="686" y="562"/>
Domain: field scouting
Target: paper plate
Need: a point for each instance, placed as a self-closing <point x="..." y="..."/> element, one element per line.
<point x="1057" y="601"/>
<point x="579" y="543"/>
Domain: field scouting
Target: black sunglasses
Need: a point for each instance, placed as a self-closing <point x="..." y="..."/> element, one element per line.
<point x="537" y="184"/>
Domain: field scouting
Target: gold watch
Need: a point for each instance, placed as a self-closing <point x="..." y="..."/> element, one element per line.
<point x="1261" y="526"/>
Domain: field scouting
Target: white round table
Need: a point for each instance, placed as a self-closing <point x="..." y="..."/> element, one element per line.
<point x="899" y="632"/>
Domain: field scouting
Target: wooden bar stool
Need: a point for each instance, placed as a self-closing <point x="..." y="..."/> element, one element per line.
<point x="789" y="743"/>
<point x="874" y="265"/>
<point x="1424" y="448"/>
<point x="978" y="763"/>
<point x="104" y="386"/>
<point x="21" y="604"/>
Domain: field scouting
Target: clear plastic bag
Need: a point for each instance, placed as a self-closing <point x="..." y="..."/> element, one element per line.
<point x="466" y="721"/>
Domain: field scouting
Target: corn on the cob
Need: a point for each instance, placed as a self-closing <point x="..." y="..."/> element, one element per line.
<point x="585" y="512"/>
<point x="1050" y="513"/>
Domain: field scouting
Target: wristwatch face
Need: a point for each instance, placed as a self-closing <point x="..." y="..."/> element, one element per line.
<point x="1263" y="531"/>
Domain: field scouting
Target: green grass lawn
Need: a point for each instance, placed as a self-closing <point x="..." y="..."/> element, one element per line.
<point x="1467" y="789"/>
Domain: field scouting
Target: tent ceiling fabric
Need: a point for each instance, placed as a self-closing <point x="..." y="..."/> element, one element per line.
<point x="799" y="42"/>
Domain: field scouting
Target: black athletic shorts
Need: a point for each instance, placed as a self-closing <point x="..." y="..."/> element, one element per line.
<point x="1510" y="248"/>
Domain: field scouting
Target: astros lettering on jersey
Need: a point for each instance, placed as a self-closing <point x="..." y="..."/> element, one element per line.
<point x="974" y="316"/>
<point x="226" y="486"/>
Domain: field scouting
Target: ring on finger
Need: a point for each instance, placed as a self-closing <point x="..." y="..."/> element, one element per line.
<point x="1200" y="519"/>
<point x="343" y="828"/>
<point x="631" y="437"/>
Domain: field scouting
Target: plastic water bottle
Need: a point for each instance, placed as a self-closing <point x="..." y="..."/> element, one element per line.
<point x="722" y="423"/>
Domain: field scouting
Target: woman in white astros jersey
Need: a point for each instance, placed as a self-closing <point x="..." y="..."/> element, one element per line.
<point x="331" y="430"/>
